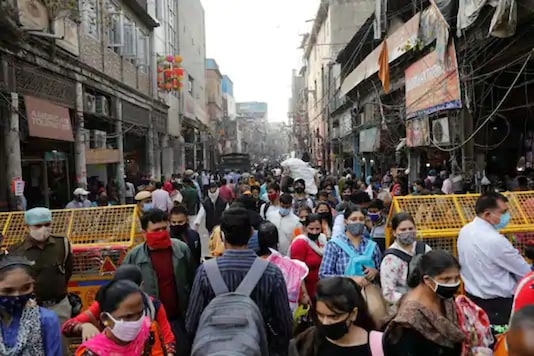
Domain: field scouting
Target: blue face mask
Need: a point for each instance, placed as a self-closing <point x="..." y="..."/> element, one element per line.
<point x="505" y="220"/>
<point x="147" y="207"/>
<point x="283" y="211"/>
<point x="14" y="304"/>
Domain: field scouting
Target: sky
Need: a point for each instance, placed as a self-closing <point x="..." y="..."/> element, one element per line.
<point x="255" y="43"/>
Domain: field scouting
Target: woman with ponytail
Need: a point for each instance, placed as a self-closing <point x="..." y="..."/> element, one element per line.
<point x="426" y="322"/>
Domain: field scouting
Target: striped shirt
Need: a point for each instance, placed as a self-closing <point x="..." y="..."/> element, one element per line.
<point x="270" y="295"/>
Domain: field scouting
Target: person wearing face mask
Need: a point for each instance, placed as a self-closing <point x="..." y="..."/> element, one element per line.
<point x="325" y="212"/>
<point x="352" y="254"/>
<point x="179" y="229"/>
<point x="491" y="265"/>
<point x="88" y="324"/>
<point x="303" y="213"/>
<point x="128" y="330"/>
<point x="211" y="209"/>
<point x="167" y="270"/>
<point x="80" y="199"/>
<point x="343" y="324"/>
<point x="143" y="200"/>
<point x="273" y="194"/>
<point x="300" y="197"/>
<point x="394" y="269"/>
<point x="426" y="322"/>
<point x="376" y="215"/>
<point x="285" y="221"/>
<point x="53" y="263"/>
<point x="27" y="329"/>
<point x="309" y="248"/>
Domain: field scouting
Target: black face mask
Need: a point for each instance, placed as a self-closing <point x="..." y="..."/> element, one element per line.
<point x="178" y="229"/>
<point x="334" y="331"/>
<point x="446" y="291"/>
<point x="313" y="237"/>
<point x="299" y="190"/>
<point x="325" y="216"/>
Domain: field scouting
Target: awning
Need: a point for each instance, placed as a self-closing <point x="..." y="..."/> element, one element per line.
<point x="401" y="41"/>
<point x="48" y="120"/>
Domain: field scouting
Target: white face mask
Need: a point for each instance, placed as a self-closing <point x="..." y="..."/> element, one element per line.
<point x="126" y="330"/>
<point x="40" y="234"/>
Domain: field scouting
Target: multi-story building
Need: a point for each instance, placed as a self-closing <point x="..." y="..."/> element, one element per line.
<point x="298" y="120"/>
<point x="252" y="118"/>
<point x="86" y="109"/>
<point x="334" y="25"/>
<point x="182" y="32"/>
<point x="215" y="99"/>
<point x="229" y="134"/>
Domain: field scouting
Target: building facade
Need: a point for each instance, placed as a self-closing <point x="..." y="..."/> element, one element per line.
<point x="334" y="25"/>
<point x="253" y="119"/>
<point x="78" y="104"/>
<point x="182" y="33"/>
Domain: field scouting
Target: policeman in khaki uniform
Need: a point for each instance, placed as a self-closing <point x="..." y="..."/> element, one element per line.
<point x="53" y="263"/>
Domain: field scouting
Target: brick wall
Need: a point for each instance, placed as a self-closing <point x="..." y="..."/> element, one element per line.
<point x="96" y="54"/>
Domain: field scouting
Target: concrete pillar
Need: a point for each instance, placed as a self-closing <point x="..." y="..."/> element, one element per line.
<point x="79" y="142"/>
<point x="150" y="154"/>
<point x="194" y="156"/>
<point x="157" y="154"/>
<point x="180" y="157"/>
<point x="12" y="148"/>
<point x="167" y="165"/>
<point x="120" y="147"/>
<point x="205" y="154"/>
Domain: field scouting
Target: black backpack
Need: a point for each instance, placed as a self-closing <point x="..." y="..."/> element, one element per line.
<point x="420" y="249"/>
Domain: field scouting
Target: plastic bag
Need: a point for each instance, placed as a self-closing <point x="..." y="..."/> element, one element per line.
<point x="298" y="169"/>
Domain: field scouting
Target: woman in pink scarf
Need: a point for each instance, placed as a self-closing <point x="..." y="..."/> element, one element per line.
<point x="294" y="271"/>
<point x="128" y="330"/>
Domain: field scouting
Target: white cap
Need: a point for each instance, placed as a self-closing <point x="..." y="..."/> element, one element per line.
<point x="80" y="191"/>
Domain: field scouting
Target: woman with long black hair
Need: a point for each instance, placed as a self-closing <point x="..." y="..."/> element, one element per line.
<point x="343" y="326"/>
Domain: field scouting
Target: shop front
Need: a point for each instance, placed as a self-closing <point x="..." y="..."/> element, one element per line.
<point x="136" y="122"/>
<point x="47" y="150"/>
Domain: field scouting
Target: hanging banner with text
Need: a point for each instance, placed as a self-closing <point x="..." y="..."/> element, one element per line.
<point x="432" y="86"/>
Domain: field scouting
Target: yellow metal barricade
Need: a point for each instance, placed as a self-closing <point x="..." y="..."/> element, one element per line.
<point x="439" y="218"/>
<point x="100" y="238"/>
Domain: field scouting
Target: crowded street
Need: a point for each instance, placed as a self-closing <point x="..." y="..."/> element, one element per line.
<point x="266" y="178"/>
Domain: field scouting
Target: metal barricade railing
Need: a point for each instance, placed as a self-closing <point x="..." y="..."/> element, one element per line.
<point x="439" y="218"/>
<point x="90" y="227"/>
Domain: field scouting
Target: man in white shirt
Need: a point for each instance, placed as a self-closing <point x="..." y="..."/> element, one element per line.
<point x="273" y="192"/>
<point x="491" y="266"/>
<point x="161" y="199"/>
<point x="285" y="221"/>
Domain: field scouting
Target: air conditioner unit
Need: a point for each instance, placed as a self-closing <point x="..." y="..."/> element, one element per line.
<point x="90" y="103"/>
<point x="98" y="139"/>
<point x="102" y="105"/>
<point x="440" y="131"/>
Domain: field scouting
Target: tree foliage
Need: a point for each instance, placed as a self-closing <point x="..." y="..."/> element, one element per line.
<point x="10" y="33"/>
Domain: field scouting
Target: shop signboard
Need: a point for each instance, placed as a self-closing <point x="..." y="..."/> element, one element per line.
<point x="431" y="85"/>
<point x="417" y="132"/>
<point x="48" y="120"/>
<point x="102" y="156"/>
